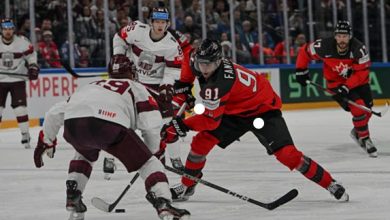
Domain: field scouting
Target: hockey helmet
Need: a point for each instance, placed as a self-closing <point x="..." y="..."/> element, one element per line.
<point x="208" y="51"/>
<point x="120" y="67"/>
<point x="207" y="57"/>
<point x="343" y="27"/>
<point x="7" y="23"/>
<point x="159" y="13"/>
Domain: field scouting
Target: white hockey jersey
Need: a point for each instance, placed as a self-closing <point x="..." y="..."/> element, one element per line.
<point x="121" y="101"/>
<point x="156" y="62"/>
<point x="15" y="58"/>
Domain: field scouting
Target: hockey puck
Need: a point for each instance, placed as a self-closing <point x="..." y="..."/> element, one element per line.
<point x="120" y="210"/>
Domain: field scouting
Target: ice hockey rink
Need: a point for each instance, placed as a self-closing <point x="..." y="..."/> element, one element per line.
<point x="244" y="167"/>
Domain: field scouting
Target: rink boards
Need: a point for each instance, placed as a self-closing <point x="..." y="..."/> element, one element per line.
<point x="54" y="85"/>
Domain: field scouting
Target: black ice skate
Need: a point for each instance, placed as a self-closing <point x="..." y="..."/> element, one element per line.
<point x="365" y="143"/>
<point x="109" y="167"/>
<point x="177" y="164"/>
<point x="26" y="140"/>
<point x="181" y="192"/>
<point x="74" y="204"/>
<point x="338" y="191"/>
<point x="165" y="210"/>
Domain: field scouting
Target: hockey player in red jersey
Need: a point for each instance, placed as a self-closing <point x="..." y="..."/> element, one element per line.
<point x="104" y="115"/>
<point x="233" y="97"/>
<point x="346" y="70"/>
<point x="156" y="56"/>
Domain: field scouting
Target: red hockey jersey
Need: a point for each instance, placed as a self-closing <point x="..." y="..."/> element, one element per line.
<point x="231" y="90"/>
<point x="350" y="69"/>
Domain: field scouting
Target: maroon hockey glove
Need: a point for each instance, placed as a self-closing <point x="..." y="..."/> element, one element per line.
<point x="172" y="130"/>
<point x="302" y="75"/>
<point x="33" y="71"/>
<point x="165" y="93"/>
<point x="43" y="147"/>
<point x="120" y="66"/>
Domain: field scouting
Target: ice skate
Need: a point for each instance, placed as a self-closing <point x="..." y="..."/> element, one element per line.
<point x="26" y="140"/>
<point x="338" y="191"/>
<point x="165" y="210"/>
<point x="109" y="167"/>
<point x="365" y="143"/>
<point x="74" y="204"/>
<point x="177" y="164"/>
<point x="181" y="192"/>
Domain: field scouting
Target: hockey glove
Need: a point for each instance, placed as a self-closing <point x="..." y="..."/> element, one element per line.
<point x="172" y="130"/>
<point x="183" y="92"/>
<point x="302" y="75"/>
<point x="165" y="93"/>
<point x="33" y="71"/>
<point x="341" y="92"/>
<point x="42" y="147"/>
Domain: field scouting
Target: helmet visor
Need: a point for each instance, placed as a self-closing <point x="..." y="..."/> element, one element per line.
<point x="7" y="24"/>
<point x="160" y="16"/>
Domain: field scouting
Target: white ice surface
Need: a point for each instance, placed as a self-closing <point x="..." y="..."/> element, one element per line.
<point x="244" y="167"/>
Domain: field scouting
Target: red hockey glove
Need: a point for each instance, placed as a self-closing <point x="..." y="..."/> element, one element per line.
<point x="33" y="71"/>
<point x="302" y="75"/>
<point x="120" y="66"/>
<point x="43" y="147"/>
<point x="172" y="130"/>
<point x="165" y="93"/>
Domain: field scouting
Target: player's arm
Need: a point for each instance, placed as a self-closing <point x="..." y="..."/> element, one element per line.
<point x="123" y="38"/>
<point x="31" y="57"/>
<point x="360" y="68"/>
<point x="306" y="53"/>
<point x="173" y="61"/>
<point x="183" y="86"/>
<point x="209" y="120"/>
<point x="47" y="141"/>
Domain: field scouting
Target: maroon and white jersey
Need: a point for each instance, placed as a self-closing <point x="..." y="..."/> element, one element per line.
<point x="156" y="62"/>
<point x="14" y="58"/>
<point x="120" y="101"/>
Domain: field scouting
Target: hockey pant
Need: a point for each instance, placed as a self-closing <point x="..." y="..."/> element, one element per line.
<point x="118" y="141"/>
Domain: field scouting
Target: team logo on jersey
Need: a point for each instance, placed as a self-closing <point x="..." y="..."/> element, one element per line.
<point x="8" y="59"/>
<point x="106" y="113"/>
<point x="146" y="60"/>
<point x="343" y="69"/>
<point x="211" y="104"/>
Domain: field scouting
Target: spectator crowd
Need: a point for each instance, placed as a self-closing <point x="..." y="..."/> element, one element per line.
<point x="89" y="36"/>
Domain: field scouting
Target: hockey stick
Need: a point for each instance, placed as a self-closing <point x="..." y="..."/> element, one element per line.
<point x="270" y="206"/>
<point x="76" y="75"/>
<point x="106" y="207"/>
<point x="362" y="107"/>
<point x="17" y="75"/>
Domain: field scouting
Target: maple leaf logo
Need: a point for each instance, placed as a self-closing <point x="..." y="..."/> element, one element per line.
<point x="342" y="69"/>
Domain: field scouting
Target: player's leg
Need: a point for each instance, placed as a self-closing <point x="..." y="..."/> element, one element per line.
<point x="3" y="98"/>
<point x="135" y="155"/>
<point x="167" y="112"/>
<point x="81" y="134"/>
<point x="276" y="137"/>
<point x="360" y="133"/>
<point x="226" y="133"/>
<point x="19" y="104"/>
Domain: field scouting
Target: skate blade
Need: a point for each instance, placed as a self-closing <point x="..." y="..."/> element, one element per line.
<point x="344" y="197"/>
<point x="76" y="216"/>
<point x="107" y="176"/>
